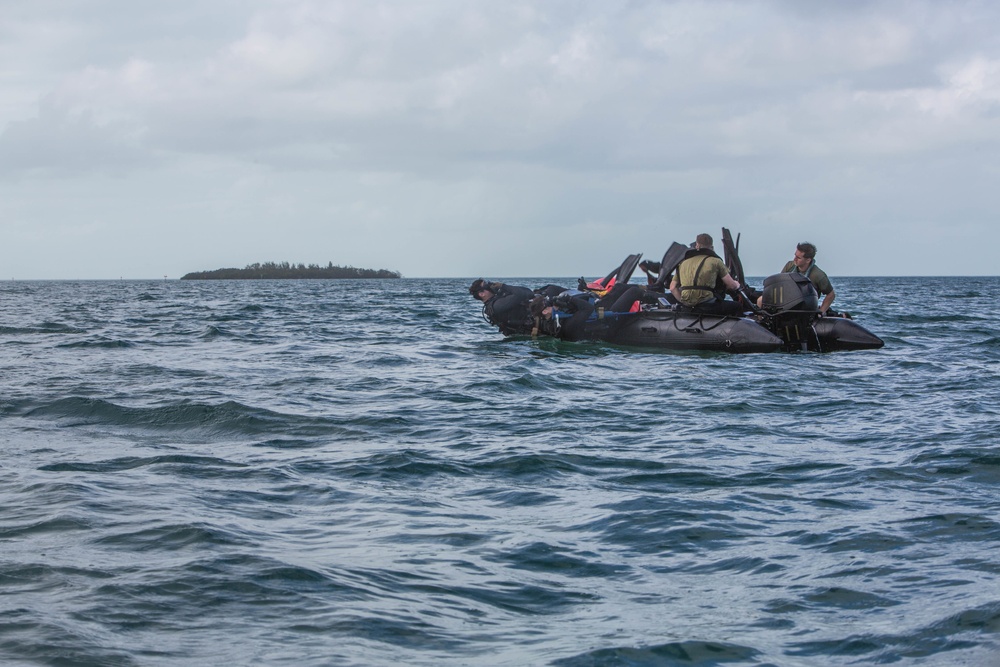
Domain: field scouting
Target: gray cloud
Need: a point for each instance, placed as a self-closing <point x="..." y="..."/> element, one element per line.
<point x="395" y="135"/>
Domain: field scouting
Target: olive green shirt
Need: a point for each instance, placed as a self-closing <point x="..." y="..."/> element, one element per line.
<point x="817" y="276"/>
<point x="712" y="271"/>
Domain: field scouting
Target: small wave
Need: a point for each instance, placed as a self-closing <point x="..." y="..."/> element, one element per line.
<point x="506" y="596"/>
<point x="949" y="527"/>
<point x="741" y="565"/>
<point x="43" y="638"/>
<point x="964" y="637"/>
<point x="246" y="313"/>
<point x="985" y="618"/>
<point x="969" y="294"/>
<point x="43" y="328"/>
<point x="846" y="540"/>
<point x="213" y="332"/>
<point x="990" y="343"/>
<point x="846" y="598"/>
<point x="174" y="537"/>
<point x="919" y="318"/>
<point x="657" y="530"/>
<point x="403" y="465"/>
<point x="675" y="653"/>
<point x="228" y="417"/>
<point x="551" y="560"/>
<point x="59" y="524"/>
<point x="132" y="463"/>
<point x="388" y="360"/>
<point x="978" y="464"/>
<point x="184" y="595"/>
<point x="99" y="343"/>
<point x="286" y="443"/>
<point x="517" y="497"/>
<point x="44" y="575"/>
<point x="529" y="465"/>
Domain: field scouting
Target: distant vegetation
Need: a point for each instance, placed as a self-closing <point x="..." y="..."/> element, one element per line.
<point x="284" y="270"/>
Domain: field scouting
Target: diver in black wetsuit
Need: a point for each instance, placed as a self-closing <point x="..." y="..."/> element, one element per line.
<point x="620" y="299"/>
<point x="550" y="291"/>
<point x="580" y="306"/>
<point x="504" y="306"/>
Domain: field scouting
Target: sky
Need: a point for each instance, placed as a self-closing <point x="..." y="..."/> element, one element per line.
<point x="466" y="138"/>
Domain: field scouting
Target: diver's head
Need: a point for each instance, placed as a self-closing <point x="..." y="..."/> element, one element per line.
<point x="481" y="289"/>
<point x="537" y="305"/>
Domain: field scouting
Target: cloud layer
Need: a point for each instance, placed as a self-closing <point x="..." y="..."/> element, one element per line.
<point x="505" y="139"/>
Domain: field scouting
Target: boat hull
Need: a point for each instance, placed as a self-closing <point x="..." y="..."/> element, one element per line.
<point x="688" y="331"/>
<point x="840" y="333"/>
<point x="680" y="331"/>
<point x="805" y="331"/>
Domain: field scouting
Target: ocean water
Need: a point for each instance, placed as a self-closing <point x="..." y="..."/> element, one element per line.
<point x="366" y="473"/>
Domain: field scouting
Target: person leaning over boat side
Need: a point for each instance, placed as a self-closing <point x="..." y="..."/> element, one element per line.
<point x="505" y="306"/>
<point x="622" y="298"/>
<point x="804" y="262"/>
<point x="701" y="280"/>
<point x="579" y="306"/>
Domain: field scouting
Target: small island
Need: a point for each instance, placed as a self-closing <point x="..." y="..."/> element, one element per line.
<point x="286" y="271"/>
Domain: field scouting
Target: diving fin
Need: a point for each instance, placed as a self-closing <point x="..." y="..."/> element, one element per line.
<point x="671" y="258"/>
<point x="732" y="256"/>
<point x="622" y="274"/>
<point x="735" y="267"/>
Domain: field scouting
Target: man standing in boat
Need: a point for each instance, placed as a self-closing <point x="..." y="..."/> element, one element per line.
<point x="702" y="279"/>
<point x="804" y="262"/>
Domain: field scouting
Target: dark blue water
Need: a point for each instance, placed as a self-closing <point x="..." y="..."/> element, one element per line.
<point x="366" y="473"/>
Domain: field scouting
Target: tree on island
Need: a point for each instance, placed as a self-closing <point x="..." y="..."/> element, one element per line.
<point x="284" y="270"/>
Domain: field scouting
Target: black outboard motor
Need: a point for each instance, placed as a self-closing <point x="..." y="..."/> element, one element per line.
<point x="791" y="304"/>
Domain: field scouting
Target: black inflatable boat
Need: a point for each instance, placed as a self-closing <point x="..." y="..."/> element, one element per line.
<point x="791" y="327"/>
<point x="789" y="318"/>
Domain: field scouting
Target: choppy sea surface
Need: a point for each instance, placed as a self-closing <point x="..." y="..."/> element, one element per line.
<point x="366" y="473"/>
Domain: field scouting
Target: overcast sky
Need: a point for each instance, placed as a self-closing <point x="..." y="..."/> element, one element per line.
<point x="484" y="138"/>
